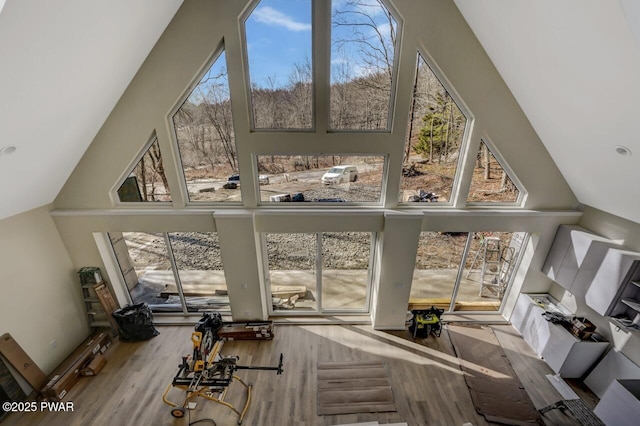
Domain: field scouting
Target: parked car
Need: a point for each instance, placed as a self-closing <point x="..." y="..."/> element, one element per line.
<point x="235" y="178"/>
<point x="340" y="174"/>
<point x="233" y="182"/>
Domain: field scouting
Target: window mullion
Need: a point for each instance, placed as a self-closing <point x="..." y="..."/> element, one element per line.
<point x="174" y="269"/>
<point x="465" y="253"/>
<point x="319" y="271"/>
<point x="321" y="51"/>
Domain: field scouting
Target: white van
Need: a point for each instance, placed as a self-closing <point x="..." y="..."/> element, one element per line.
<point x="340" y="174"/>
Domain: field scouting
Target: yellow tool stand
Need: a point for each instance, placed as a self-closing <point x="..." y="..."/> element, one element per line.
<point x="207" y="373"/>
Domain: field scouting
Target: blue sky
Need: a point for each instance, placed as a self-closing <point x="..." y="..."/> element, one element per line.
<point x="278" y="36"/>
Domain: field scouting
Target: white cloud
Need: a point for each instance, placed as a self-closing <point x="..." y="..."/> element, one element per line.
<point x="270" y="16"/>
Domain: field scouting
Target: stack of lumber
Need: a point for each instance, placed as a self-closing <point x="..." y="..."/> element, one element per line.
<point x="238" y="330"/>
<point x="86" y="360"/>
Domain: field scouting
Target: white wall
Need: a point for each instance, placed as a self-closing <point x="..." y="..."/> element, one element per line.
<point x="41" y="299"/>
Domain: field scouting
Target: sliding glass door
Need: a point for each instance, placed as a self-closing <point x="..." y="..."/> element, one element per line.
<point x="172" y="272"/>
<point x="460" y="271"/>
<point x="318" y="272"/>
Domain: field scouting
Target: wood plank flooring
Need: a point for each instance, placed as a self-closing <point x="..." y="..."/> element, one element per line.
<point x="427" y="382"/>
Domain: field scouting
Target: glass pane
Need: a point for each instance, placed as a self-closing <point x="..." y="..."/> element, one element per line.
<point x="363" y="41"/>
<point x="489" y="267"/>
<point x="199" y="262"/>
<point x="490" y="182"/>
<point x="145" y="266"/>
<point x="147" y="181"/>
<point x="345" y="270"/>
<point x="292" y="271"/>
<point x="434" y="142"/>
<point x="278" y="34"/>
<point x="320" y="178"/>
<point x="206" y="141"/>
<point x="437" y="264"/>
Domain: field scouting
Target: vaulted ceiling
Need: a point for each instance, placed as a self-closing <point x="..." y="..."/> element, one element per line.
<point x="572" y="65"/>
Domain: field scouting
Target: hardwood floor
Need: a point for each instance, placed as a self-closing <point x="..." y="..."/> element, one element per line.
<point x="428" y="385"/>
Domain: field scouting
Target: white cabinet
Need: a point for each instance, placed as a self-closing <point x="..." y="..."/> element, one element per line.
<point x="556" y="254"/>
<point x="620" y="404"/>
<point x="616" y="288"/>
<point x="595" y="268"/>
<point x="626" y="303"/>
<point x="574" y="257"/>
<point x="562" y="351"/>
<point x="615" y="365"/>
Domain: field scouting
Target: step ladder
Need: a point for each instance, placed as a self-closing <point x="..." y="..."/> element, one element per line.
<point x="496" y="265"/>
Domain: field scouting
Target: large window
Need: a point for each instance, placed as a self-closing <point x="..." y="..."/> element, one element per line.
<point x="206" y="138"/>
<point x="176" y="272"/>
<point x="437" y="264"/>
<point x="147" y="180"/>
<point x="492" y="258"/>
<point x="328" y="179"/>
<point x="434" y="141"/>
<point x="278" y="36"/>
<point x="491" y="183"/>
<point x="460" y="271"/>
<point x="345" y="270"/>
<point x="364" y="36"/>
<point x="293" y="271"/>
<point x="319" y="272"/>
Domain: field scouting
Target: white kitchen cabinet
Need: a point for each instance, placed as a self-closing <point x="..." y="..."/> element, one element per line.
<point x="562" y="351"/>
<point x="557" y="252"/>
<point x="575" y="256"/>
<point x="615" y="365"/>
<point x="620" y="404"/>
<point x="623" y="289"/>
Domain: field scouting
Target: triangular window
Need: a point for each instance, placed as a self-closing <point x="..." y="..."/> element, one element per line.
<point x="206" y="138"/>
<point x="147" y="181"/>
<point x="364" y="38"/>
<point x="278" y="36"/>
<point x="491" y="183"/>
<point x="435" y="136"/>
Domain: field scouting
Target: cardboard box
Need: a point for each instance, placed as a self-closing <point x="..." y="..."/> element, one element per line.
<point x="69" y="372"/>
<point x="95" y="366"/>
<point x="21" y="362"/>
<point x="582" y="328"/>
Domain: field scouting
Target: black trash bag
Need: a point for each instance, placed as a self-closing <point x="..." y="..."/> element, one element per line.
<point x="135" y="323"/>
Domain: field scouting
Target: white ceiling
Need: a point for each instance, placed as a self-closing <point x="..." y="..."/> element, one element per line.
<point x="63" y="66"/>
<point x="573" y="66"/>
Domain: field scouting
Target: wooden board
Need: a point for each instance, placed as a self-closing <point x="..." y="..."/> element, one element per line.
<point x="108" y="303"/>
<point x="24" y="365"/>
<point x="488" y="305"/>
<point x="283" y="292"/>
<point x="354" y="387"/>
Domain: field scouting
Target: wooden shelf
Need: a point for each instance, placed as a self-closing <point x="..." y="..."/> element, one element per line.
<point x="98" y="301"/>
